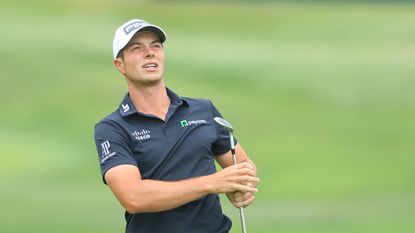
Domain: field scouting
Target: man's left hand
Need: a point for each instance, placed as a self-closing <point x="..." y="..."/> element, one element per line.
<point x="241" y="199"/>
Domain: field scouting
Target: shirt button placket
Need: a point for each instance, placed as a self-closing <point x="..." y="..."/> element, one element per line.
<point x="165" y="131"/>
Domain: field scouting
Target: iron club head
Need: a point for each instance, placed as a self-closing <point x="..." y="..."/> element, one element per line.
<point x="224" y="123"/>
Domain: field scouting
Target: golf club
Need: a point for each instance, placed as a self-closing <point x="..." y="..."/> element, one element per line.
<point x="225" y="124"/>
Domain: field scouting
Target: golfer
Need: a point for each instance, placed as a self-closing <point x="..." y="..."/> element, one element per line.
<point x="157" y="149"/>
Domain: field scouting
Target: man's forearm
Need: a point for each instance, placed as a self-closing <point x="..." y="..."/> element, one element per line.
<point x="154" y="196"/>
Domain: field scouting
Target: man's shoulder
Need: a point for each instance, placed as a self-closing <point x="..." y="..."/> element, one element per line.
<point x="196" y="101"/>
<point x="111" y="119"/>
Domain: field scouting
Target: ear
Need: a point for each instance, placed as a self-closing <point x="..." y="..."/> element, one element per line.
<point x="119" y="64"/>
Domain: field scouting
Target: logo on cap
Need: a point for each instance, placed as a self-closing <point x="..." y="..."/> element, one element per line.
<point x="132" y="26"/>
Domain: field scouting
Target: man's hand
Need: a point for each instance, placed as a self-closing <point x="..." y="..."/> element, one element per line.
<point x="235" y="178"/>
<point x="241" y="199"/>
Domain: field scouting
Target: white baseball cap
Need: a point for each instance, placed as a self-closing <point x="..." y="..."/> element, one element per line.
<point x="126" y="31"/>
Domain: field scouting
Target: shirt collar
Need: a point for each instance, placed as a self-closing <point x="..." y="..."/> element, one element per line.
<point x="127" y="108"/>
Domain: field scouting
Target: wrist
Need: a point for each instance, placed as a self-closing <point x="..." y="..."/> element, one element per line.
<point x="205" y="182"/>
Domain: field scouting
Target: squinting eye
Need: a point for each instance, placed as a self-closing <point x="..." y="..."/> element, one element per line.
<point x="136" y="47"/>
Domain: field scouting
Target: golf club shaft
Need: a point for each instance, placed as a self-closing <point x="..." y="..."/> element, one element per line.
<point x="242" y="215"/>
<point x="241" y="209"/>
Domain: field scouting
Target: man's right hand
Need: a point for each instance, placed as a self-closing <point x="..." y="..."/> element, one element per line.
<point x="240" y="177"/>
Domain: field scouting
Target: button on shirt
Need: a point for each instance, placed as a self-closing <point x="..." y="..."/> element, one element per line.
<point x="181" y="147"/>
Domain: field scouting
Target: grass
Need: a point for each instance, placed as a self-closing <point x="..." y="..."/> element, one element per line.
<point x="320" y="95"/>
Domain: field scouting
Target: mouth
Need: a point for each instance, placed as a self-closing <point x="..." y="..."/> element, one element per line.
<point x="150" y="66"/>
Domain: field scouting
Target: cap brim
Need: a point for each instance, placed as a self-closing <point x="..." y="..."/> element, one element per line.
<point x="155" y="30"/>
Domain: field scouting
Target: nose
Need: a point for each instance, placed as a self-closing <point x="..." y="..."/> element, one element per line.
<point x="148" y="53"/>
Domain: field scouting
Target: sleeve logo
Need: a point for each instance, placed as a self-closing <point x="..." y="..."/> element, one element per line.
<point x="106" y="154"/>
<point x="105" y="148"/>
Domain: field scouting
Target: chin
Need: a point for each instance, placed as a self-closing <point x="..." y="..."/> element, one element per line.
<point x="148" y="82"/>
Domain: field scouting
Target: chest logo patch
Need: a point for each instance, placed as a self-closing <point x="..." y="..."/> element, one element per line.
<point x="185" y="123"/>
<point x="141" y="135"/>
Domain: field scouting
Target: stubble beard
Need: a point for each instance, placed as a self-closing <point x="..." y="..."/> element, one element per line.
<point x="146" y="81"/>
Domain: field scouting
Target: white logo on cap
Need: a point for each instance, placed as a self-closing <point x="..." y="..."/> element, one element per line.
<point x="130" y="27"/>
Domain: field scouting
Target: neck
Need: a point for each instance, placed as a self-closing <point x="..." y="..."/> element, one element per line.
<point x="150" y="99"/>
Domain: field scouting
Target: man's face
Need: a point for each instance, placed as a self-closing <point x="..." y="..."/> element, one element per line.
<point x="143" y="62"/>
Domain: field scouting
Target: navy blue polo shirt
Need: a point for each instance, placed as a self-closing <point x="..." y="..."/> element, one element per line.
<point x="181" y="147"/>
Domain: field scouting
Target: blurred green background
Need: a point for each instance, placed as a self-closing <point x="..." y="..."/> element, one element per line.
<point x="321" y="96"/>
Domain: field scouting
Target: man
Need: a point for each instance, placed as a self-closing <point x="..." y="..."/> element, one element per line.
<point x="157" y="150"/>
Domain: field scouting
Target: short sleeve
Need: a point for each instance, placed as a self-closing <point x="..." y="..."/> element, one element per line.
<point x="222" y="143"/>
<point x="112" y="147"/>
